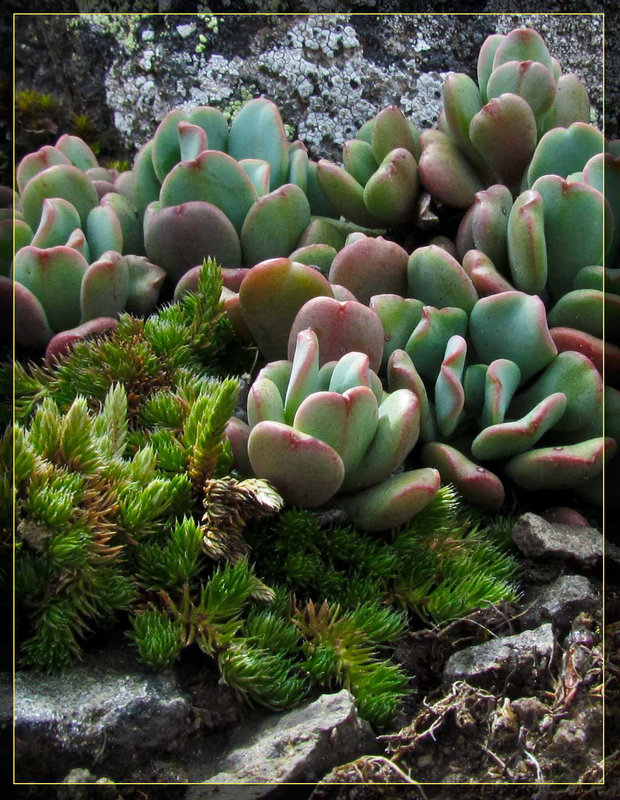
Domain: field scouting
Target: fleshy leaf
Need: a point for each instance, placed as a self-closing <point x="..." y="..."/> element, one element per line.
<point x="393" y="502"/>
<point x="566" y="467"/>
<point x="475" y="483"/>
<point x="494" y="322"/>
<point x="304" y="470"/>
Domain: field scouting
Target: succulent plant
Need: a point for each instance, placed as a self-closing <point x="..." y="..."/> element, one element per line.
<point x="241" y="193"/>
<point x="79" y="256"/>
<point x="489" y="131"/>
<point x="378" y="184"/>
<point x="515" y="151"/>
<point x="319" y="431"/>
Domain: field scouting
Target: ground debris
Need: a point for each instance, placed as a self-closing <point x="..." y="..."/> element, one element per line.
<point x="541" y="733"/>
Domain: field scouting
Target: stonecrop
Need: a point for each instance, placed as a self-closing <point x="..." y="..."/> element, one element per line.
<point x="474" y="361"/>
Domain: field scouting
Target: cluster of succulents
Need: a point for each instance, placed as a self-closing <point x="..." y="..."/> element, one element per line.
<point x="488" y="132"/>
<point x="79" y="256"/>
<point x="497" y="334"/>
<point x="515" y="151"/>
<point x="395" y="363"/>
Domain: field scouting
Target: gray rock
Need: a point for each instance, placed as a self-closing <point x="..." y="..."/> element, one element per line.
<point x="511" y="659"/>
<point x="298" y="746"/>
<point x="537" y="538"/>
<point x="107" y="714"/>
<point x="560" y="602"/>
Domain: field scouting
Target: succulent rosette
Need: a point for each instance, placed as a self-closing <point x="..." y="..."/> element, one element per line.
<point x="330" y="434"/>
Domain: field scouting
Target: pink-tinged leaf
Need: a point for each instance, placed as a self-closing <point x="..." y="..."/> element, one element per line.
<point x="574" y="375"/>
<point x="391" y="192"/>
<point x="64" y="341"/>
<point x="586" y="310"/>
<point x="393" y="502"/>
<point x="398" y="427"/>
<point x="462" y="101"/>
<point x="507" y="439"/>
<point x="371" y="266"/>
<point x="214" y="124"/>
<point x="166" y="149"/>
<point x="238" y="432"/>
<point x="77" y="151"/>
<point x="232" y="308"/>
<point x="31" y="326"/>
<point x="523" y="44"/>
<point x="272" y="294"/>
<point x="258" y="171"/>
<point x="298" y="165"/>
<point x="65" y="181"/>
<point x="145" y="281"/>
<point x="527" y="250"/>
<point x="501" y="381"/>
<point x="485" y="278"/>
<point x="274" y="224"/>
<point x="505" y="134"/>
<point x="494" y="322"/>
<point x="213" y="177"/>
<point x="340" y="327"/>
<point x="399" y="316"/>
<point x="59" y="219"/>
<point x="54" y="275"/>
<point x="359" y="160"/>
<point x="344" y="193"/>
<point x="132" y="232"/>
<point x="320" y="256"/>
<point x="390" y="131"/>
<point x="105" y="287"/>
<point x="562" y="151"/>
<point x="257" y="131"/>
<point x="33" y="163"/>
<point x="265" y="402"/>
<point x="304" y="378"/>
<point x="531" y="80"/>
<point x="347" y="422"/>
<point x="475" y="483"/>
<point x="146" y="181"/>
<point x="489" y="222"/>
<point x="353" y="369"/>
<point x="445" y="171"/>
<point x="598" y="351"/>
<point x="401" y="374"/>
<point x="569" y="210"/>
<point x="181" y="237"/>
<point x="571" y="104"/>
<point x="485" y="61"/>
<point x="304" y="470"/>
<point x="103" y="231"/>
<point x="192" y="141"/>
<point x="449" y="393"/>
<point x="427" y="344"/>
<point x="437" y="279"/>
<point x="567" y="467"/>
